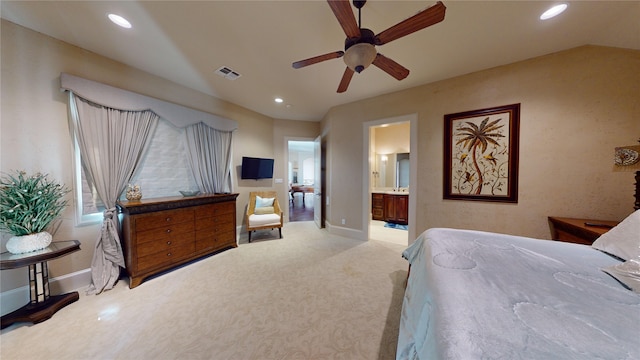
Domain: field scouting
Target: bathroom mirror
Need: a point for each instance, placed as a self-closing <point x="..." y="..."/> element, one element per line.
<point x="402" y="170"/>
<point x="391" y="170"/>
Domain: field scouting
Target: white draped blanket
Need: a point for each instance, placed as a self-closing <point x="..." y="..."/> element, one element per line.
<point x="478" y="295"/>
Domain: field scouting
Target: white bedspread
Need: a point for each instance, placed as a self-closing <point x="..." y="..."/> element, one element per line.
<point x="477" y="295"/>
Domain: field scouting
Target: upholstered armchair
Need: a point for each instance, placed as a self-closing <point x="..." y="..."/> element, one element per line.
<point x="263" y="212"/>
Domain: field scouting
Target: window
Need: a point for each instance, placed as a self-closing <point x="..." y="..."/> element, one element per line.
<point x="164" y="171"/>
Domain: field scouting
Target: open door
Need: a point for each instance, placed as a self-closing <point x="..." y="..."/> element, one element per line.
<point x="317" y="182"/>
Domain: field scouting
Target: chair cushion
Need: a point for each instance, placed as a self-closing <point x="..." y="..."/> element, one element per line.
<point x="264" y="220"/>
<point x="264" y="210"/>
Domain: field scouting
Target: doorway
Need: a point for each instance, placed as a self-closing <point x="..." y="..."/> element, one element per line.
<point x="390" y="148"/>
<point x="300" y="178"/>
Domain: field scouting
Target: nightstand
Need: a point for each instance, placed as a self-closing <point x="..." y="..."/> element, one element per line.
<point x="581" y="231"/>
<point x="42" y="305"/>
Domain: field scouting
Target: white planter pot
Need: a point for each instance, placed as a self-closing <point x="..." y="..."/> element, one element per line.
<point x="28" y="243"/>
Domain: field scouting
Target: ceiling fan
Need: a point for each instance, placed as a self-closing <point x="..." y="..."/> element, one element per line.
<point x="359" y="47"/>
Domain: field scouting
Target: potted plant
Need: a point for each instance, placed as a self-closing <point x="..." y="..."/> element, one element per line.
<point x="28" y="205"/>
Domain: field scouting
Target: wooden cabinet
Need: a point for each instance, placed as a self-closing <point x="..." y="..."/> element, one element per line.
<point x="159" y="234"/>
<point x="390" y="208"/>
<point x="396" y="209"/>
<point x="377" y="206"/>
<point x="580" y="231"/>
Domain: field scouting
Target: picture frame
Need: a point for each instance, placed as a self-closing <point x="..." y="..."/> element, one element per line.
<point x="481" y="154"/>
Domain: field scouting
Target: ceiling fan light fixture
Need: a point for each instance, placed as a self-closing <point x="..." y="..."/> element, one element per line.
<point x="359" y="56"/>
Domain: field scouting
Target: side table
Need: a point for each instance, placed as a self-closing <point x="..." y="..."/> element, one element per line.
<point x="581" y="231"/>
<point x="41" y="306"/>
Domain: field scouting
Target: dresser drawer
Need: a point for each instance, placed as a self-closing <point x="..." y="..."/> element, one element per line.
<point x="163" y="219"/>
<point x="218" y="222"/>
<point x="165" y="257"/>
<point x="166" y="243"/>
<point x="164" y="232"/>
<point x="215" y="240"/>
<point x="212" y="210"/>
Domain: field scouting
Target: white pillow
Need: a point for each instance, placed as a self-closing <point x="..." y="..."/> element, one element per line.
<point x="263" y="202"/>
<point x="627" y="273"/>
<point x="623" y="240"/>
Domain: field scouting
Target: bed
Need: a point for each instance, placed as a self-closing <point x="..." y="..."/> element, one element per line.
<point x="480" y="295"/>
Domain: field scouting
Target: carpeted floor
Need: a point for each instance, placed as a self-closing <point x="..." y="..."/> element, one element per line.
<point x="310" y="295"/>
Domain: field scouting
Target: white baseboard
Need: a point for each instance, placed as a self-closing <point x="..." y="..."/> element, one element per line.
<point x="16" y="298"/>
<point x="13" y="299"/>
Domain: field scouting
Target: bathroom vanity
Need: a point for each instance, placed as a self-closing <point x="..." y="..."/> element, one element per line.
<point x="390" y="206"/>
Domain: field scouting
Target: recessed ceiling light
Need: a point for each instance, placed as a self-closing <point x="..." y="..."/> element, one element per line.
<point x="120" y="21"/>
<point x="278" y="100"/>
<point x="553" y="11"/>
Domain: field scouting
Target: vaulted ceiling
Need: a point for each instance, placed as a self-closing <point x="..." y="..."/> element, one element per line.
<point x="186" y="41"/>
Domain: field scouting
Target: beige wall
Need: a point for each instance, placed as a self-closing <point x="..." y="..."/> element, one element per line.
<point x="392" y="139"/>
<point x="34" y="135"/>
<point x="576" y="106"/>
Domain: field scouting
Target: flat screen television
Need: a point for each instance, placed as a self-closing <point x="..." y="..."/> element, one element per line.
<point x="256" y="168"/>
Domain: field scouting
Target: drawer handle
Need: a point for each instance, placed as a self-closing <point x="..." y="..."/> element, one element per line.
<point x="168" y="231"/>
<point x="168" y="254"/>
<point x="168" y="219"/>
<point x="168" y="242"/>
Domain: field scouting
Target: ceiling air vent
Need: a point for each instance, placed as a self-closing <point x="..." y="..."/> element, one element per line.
<point x="227" y="73"/>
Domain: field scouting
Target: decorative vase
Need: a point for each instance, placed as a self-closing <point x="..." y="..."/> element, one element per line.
<point x="28" y="243"/>
<point x="133" y="192"/>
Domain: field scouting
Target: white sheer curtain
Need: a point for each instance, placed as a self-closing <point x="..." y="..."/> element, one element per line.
<point x="209" y="156"/>
<point x="111" y="144"/>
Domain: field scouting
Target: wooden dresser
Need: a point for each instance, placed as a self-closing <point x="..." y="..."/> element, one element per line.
<point x="581" y="231"/>
<point x="159" y="234"/>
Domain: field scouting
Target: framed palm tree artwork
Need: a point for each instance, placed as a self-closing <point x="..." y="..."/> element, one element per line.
<point x="481" y="154"/>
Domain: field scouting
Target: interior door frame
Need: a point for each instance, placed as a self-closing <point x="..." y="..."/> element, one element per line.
<point x="413" y="171"/>
<point x="318" y="183"/>
<point x="286" y="166"/>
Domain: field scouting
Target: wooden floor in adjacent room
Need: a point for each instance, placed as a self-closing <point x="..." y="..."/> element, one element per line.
<point x="299" y="210"/>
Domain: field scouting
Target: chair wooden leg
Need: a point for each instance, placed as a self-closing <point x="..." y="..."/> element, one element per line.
<point x="249" y="236"/>
<point x="280" y="232"/>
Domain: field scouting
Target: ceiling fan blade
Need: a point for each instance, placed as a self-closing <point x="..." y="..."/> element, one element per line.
<point x="343" y="12"/>
<point x="419" y="21"/>
<point x="346" y="79"/>
<point x="317" y="59"/>
<point x="391" y="67"/>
